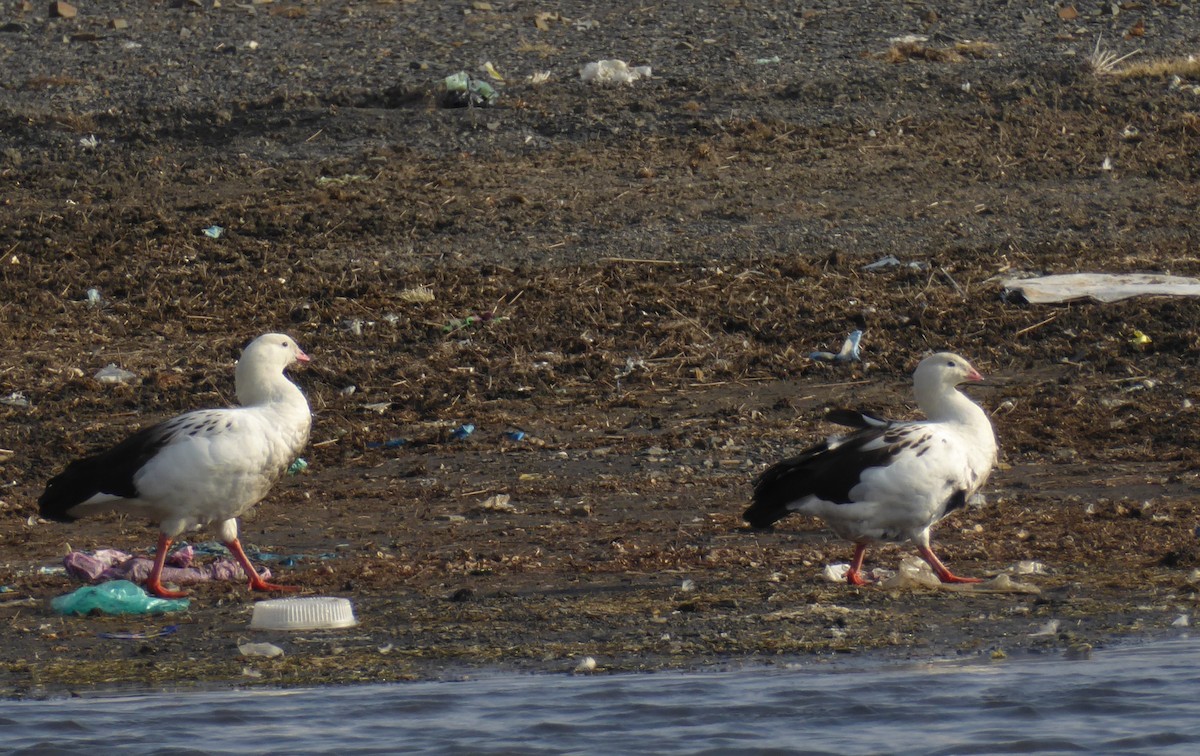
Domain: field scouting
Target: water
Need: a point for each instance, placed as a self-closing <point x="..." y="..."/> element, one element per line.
<point x="1127" y="700"/>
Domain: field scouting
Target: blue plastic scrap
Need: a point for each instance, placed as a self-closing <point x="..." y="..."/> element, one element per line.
<point x="848" y="353"/>
<point x="116" y="597"/>
<point x="391" y="443"/>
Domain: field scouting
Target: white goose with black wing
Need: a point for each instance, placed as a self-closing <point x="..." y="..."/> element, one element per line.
<point x="890" y="481"/>
<point x="201" y="468"/>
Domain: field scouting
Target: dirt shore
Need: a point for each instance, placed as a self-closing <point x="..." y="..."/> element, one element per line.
<point x="633" y="276"/>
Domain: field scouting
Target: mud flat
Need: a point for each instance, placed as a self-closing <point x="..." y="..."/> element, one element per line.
<point x="633" y="276"/>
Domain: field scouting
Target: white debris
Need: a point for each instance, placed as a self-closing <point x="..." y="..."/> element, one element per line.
<point x="269" y="650"/>
<point x="1102" y="287"/>
<point x="1181" y="621"/>
<point x="836" y="573"/>
<point x="913" y="573"/>
<point x="112" y="374"/>
<point x="1050" y="628"/>
<point x="1030" y="567"/>
<point x="586" y="664"/>
<point x="498" y="503"/>
<point x="613" y="72"/>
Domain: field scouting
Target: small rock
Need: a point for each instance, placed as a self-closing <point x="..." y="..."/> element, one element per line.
<point x="61" y="9"/>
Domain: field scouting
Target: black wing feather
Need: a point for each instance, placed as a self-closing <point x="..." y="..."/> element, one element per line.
<point x="827" y="470"/>
<point x="857" y="419"/>
<point x="109" y="472"/>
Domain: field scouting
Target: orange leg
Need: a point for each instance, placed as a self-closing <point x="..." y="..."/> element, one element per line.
<point x="854" y="574"/>
<point x="944" y="574"/>
<point x="154" y="582"/>
<point x="256" y="582"/>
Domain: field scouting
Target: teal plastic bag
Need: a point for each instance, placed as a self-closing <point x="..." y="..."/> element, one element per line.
<point x="116" y="597"/>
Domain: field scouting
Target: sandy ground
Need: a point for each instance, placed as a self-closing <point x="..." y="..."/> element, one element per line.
<point x="634" y="276"/>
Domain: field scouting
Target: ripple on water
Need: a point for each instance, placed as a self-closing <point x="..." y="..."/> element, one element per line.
<point x="1130" y="699"/>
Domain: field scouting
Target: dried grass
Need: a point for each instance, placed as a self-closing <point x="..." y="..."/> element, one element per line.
<point x="908" y="49"/>
<point x="1104" y="62"/>
<point x="1160" y="68"/>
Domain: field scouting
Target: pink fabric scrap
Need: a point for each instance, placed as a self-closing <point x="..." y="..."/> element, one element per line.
<point x="111" y="564"/>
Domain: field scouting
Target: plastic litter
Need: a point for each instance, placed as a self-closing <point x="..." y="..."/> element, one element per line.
<point x="836" y="573"/>
<point x="111" y="374"/>
<point x="308" y="613"/>
<point x="1050" y="628"/>
<point x="117" y="597"/>
<point x="891" y="261"/>
<point x="913" y="573"/>
<point x="462" y="431"/>
<point x="15" y="399"/>
<point x="256" y="554"/>
<point x="89" y="142"/>
<point x="613" y="72"/>
<point x="299" y="465"/>
<point x="269" y="650"/>
<point x="1030" y="567"/>
<point x="848" y="353"/>
<point x="515" y="435"/>
<point x="1102" y="287"/>
<point x="213" y="232"/>
<point x="93" y="297"/>
<point x="1140" y="339"/>
<point x="491" y="71"/>
<point x="462" y="90"/>
<point x="105" y="565"/>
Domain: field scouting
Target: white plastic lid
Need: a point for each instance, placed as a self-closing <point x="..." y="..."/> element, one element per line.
<point x="308" y="613"/>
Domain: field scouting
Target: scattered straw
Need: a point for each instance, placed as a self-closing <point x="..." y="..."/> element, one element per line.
<point x="421" y="294"/>
<point x="915" y="48"/>
<point x="1104" y="62"/>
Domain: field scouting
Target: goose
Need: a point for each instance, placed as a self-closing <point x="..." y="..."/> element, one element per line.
<point x="889" y="481"/>
<point x="200" y="468"/>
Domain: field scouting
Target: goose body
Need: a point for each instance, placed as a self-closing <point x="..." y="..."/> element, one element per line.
<point x="201" y="468"/>
<point x="889" y="481"/>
